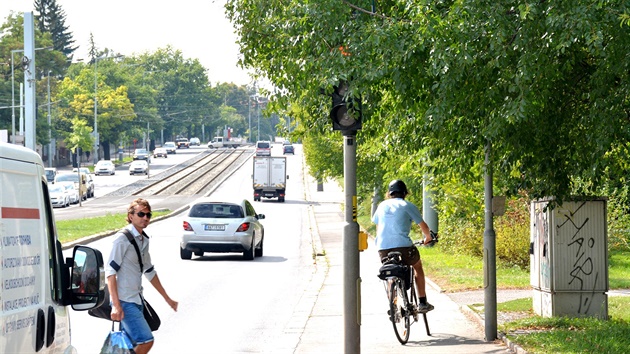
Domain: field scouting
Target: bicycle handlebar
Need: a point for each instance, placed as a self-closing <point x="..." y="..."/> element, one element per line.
<point x="431" y="243"/>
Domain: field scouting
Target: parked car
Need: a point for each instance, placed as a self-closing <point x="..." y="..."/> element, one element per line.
<point x="50" y="174"/>
<point x="195" y="142"/>
<point x="90" y="180"/>
<point x="160" y="152"/>
<point x="72" y="190"/>
<point x="263" y="148"/>
<point x="212" y="226"/>
<point x="74" y="177"/>
<point x="170" y="147"/>
<point x="59" y="198"/>
<point x="288" y="149"/>
<point x="139" y="167"/>
<point x="105" y="167"/>
<point x="141" y="154"/>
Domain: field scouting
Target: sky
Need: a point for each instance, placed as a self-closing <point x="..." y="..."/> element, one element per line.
<point x="198" y="28"/>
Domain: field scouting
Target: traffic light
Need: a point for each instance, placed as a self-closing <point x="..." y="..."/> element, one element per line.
<point x="346" y="111"/>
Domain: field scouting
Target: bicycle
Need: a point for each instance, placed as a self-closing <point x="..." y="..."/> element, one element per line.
<point x="399" y="283"/>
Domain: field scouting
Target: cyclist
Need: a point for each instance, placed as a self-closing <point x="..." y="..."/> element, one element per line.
<point x="393" y="219"/>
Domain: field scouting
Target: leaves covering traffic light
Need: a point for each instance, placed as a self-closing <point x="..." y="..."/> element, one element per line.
<point x="346" y="112"/>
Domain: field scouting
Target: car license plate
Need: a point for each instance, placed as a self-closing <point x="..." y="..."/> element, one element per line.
<point x="214" y="227"/>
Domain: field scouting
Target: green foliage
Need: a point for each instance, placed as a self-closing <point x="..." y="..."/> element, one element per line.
<point x="79" y="137"/>
<point x="324" y="156"/>
<point x="513" y="234"/>
<point x="572" y="335"/>
<point x="161" y="92"/>
<point x="619" y="269"/>
<point x="52" y="19"/>
<point x="441" y="81"/>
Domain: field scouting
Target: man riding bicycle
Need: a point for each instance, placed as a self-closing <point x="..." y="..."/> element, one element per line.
<point x="393" y="219"/>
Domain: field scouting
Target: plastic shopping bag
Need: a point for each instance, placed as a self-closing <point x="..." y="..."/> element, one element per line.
<point x="117" y="342"/>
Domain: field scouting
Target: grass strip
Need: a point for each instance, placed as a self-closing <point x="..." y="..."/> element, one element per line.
<point x="71" y="230"/>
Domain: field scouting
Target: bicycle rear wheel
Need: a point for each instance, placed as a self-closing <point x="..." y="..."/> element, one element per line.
<point x="398" y="313"/>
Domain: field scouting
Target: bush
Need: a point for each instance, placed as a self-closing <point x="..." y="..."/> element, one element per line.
<point x="513" y="234"/>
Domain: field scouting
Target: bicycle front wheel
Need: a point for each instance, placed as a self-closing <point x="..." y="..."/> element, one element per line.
<point x="398" y="313"/>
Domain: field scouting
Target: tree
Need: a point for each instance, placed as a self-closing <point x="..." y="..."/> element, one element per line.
<point x="185" y="100"/>
<point x="52" y="19"/>
<point x="79" y="136"/>
<point x="76" y="96"/>
<point x="545" y="83"/>
<point x="46" y="60"/>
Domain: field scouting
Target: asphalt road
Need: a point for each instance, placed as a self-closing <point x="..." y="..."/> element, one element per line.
<point x="226" y="304"/>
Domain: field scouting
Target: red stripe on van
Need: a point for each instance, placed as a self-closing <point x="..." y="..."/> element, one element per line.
<point x="20" y="213"/>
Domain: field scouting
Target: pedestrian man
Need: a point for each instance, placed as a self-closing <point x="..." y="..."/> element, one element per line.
<point x="124" y="278"/>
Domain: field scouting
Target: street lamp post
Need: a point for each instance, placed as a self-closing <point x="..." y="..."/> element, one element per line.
<point x="12" y="99"/>
<point x="96" y="137"/>
<point x="258" y="116"/>
<point x="50" y="144"/>
<point x="13" y="89"/>
<point x="96" y="140"/>
<point x="249" y="106"/>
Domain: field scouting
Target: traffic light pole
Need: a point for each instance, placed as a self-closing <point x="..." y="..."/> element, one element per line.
<point x="351" y="266"/>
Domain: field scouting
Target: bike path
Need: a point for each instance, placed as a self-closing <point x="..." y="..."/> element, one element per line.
<point x="452" y="331"/>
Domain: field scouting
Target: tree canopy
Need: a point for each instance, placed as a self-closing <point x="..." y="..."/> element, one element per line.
<point x="157" y="95"/>
<point x="546" y="83"/>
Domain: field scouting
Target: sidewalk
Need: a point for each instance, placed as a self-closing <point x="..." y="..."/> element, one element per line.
<point x="451" y="330"/>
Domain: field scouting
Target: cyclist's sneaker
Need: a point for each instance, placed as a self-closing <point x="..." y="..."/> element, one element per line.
<point x="424" y="308"/>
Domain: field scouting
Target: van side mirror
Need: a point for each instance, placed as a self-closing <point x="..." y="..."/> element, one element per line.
<point x="87" y="282"/>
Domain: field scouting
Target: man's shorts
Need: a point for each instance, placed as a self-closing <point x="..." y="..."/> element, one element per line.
<point x="134" y="323"/>
<point x="410" y="255"/>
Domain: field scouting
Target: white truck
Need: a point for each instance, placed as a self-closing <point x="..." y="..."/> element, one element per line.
<point x="37" y="282"/>
<point x="220" y="141"/>
<point x="270" y="177"/>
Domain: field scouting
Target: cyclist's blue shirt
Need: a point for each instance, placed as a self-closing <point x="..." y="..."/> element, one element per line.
<point x="393" y="219"/>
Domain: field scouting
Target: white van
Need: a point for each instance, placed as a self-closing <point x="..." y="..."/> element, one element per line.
<point x="36" y="282"/>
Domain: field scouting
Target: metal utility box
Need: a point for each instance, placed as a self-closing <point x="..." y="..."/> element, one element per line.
<point x="569" y="258"/>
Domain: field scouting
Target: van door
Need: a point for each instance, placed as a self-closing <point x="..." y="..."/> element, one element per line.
<point x="32" y="318"/>
<point x="34" y="275"/>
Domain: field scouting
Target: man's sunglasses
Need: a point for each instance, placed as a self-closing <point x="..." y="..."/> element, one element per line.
<point x="143" y="214"/>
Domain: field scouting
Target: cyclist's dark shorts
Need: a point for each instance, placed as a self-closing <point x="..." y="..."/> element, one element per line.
<point x="410" y="255"/>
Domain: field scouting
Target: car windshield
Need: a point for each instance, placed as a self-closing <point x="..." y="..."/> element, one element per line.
<point x="55" y="188"/>
<point x="212" y="210"/>
<point x="169" y="144"/>
<point x="50" y="175"/>
<point x="68" y="177"/>
<point x="141" y="151"/>
<point x="263" y="145"/>
<point x="103" y="164"/>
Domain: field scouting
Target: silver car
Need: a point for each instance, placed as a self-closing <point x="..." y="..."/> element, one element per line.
<point x="170" y="147"/>
<point x="58" y="196"/>
<point x="71" y="190"/>
<point x="139" y="167"/>
<point x="105" y="167"/>
<point x="224" y="227"/>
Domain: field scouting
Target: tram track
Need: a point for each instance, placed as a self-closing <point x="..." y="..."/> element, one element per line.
<point x="196" y="178"/>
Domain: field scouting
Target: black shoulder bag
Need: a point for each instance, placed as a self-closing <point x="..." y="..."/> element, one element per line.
<point x="104" y="311"/>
